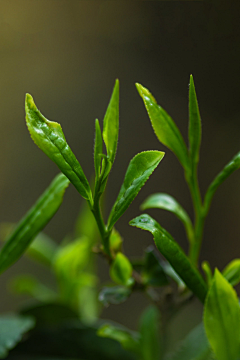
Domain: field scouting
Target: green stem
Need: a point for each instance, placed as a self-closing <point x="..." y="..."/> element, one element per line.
<point x="105" y="234"/>
<point x="195" y="245"/>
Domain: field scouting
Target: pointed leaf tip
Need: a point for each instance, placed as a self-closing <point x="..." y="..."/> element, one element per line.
<point x="144" y="92"/>
<point x="29" y="102"/>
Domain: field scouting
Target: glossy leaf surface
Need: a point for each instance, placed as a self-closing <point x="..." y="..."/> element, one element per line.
<point x="232" y="272"/>
<point x="97" y="149"/>
<point x="128" y="339"/>
<point x="167" y="202"/>
<point x="114" y="295"/>
<point x="111" y="124"/>
<point x="153" y="273"/>
<point x="33" y="222"/>
<point x="150" y="334"/>
<point x="195" y="346"/>
<point x="195" y="127"/>
<point x="174" y="254"/>
<point x="222" y="319"/>
<point x="49" y="137"/>
<point x="121" y="270"/>
<point x="164" y="127"/>
<point x="12" y="328"/>
<point x="138" y="171"/>
<point x="233" y="165"/>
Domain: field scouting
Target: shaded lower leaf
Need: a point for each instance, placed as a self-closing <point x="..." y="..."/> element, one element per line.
<point x="195" y="346"/>
<point x="12" y="328"/>
<point x="222" y="319"/>
<point x="128" y="339"/>
<point x="114" y="295"/>
<point x="51" y="314"/>
<point x="153" y="273"/>
<point x="174" y="254"/>
<point x="70" y="340"/>
<point x="33" y="222"/>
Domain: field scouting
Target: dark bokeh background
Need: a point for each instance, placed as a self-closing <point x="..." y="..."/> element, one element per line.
<point x="67" y="54"/>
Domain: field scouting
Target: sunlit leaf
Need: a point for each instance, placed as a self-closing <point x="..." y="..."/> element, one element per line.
<point x="164" y="127"/>
<point x="222" y="319"/>
<point x="138" y="171"/>
<point x="111" y="124"/>
<point x="49" y="137"/>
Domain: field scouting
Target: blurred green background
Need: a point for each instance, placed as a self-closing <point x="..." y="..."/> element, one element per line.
<point x="67" y="55"/>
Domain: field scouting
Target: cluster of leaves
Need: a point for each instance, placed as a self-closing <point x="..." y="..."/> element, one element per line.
<point x="69" y="315"/>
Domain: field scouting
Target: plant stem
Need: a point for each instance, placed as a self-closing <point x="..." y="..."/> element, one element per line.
<point x="195" y="245"/>
<point x="105" y="234"/>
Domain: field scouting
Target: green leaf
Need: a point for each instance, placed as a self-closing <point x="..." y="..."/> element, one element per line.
<point x="114" y="295"/>
<point x="29" y="285"/>
<point x="208" y="272"/>
<point x="150" y="348"/>
<point x="195" y="346"/>
<point x="164" y="127"/>
<point x="167" y="202"/>
<point x="128" y="339"/>
<point x="33" y="222"/>
<point x="97" y="149"/>
<point x="138" y="171"/>
<point x="49" y="137"/>
<point x="121" y="270"/>
<point x="153" y="273"/>
<point x="195" y="127"/>
<point x="12" y="328"/>
<point x="42" y="249"/>
<point x="115" y="242"/>
<point x="222" y="319"/>
<point x="111" y="124"/>
<point x="232" y="272"/>
<point x="174" y="254"/>
<point x="233" y="165"/>
<point x="169" y="270"/>
<point x="86" y="225"/>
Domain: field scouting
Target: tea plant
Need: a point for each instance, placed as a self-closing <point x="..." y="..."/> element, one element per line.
<point x="72" y="310"/>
